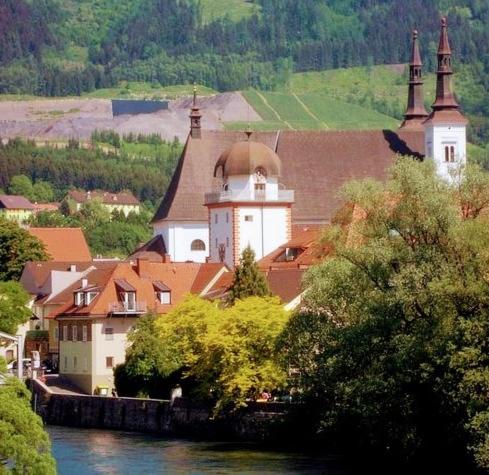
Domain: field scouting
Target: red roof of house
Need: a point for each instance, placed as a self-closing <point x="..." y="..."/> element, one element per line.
<point x="122" y="198"/>
<point x="145" y="277"/>
<point x="15" y="202"/>
<point x="63" y="244"/>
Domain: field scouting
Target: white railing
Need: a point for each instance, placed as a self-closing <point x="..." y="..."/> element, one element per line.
<point x="286" y="196"/>
<point x="127" y="308"/>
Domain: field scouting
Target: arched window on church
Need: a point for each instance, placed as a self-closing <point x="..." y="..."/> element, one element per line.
<point x="197" y="245"/>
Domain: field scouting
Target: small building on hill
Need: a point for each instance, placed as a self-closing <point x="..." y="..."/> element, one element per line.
<point x="124" y="201"/>
<point x="63" y="244"/>
<point x="16" y="208"/>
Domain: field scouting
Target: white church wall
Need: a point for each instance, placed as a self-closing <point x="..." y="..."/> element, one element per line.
<point x="178" y="237"/>
<point x="221" y="234"/>
<point x="262" y="228"/>
<point x="440" y="136"/>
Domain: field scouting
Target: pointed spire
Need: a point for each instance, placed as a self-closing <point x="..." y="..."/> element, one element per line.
<point x="195" y="117"/>
<point x="415" y="112"/>
<point x="445" y="108"/>
<point x="444" y="94"/>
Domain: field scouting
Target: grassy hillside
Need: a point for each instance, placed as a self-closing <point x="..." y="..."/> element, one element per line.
<point x="234" y="9"/>
<point x="309" y="111"/>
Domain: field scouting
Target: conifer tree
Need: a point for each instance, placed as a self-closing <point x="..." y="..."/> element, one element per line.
<point x="249" y="281"/>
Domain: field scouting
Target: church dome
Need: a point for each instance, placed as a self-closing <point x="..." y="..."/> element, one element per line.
<point x="245" y="158"/>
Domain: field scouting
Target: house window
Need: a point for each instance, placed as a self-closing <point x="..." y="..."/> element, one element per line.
<point x="74" y="333"/>
<point x="197" y="245"/>
<point x="227" y="242"/>
<point x="130" y="300"/>
<point x="215" y="218"/>
<point x="75" y="362"/>
<point x="109" y="361"/>
<point x="66" y="363"/>
<point x="80" y="299"/>
<point x="216" y="243"/>
<point x="109" y="334"/>
<point x="65" y="332"/>
<point x="227" y="217"/>
<point x="56" y="333"/>
<point x="164" y="297"/>
<point x="84" y="333"/>
<point x="450" y="153"/>
<point x="85" y="364"/>
<point x="248" y="218"/>
<point x="90" y="296"/>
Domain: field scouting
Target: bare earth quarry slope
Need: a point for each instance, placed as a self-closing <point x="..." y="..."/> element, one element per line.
<point x="76" y="118"/>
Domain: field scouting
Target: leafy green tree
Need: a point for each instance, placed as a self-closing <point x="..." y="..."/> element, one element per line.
<point x="13" y="306"/>
<point x="53" y="219"/>
<point x="392" y="342"/>
<point x="248" y="279"/>
<point x="42" y="192"/>
<point x="21" y="185"/>
<point x="24" y="445"/>
<point x="17" y="247"/>
<point x="92" y="213"/>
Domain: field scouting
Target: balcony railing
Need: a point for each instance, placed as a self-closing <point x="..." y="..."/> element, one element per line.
<point x="283" y="196"/>
<point x="122" y="308"/>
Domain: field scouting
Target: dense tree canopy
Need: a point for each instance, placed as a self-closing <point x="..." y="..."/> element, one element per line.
<point x="17" y="247"/>
<point x="14" y="309"/>
<point x="228" y="354"/>
<point x="24" y="445"/>
<point x="392" y="342"/>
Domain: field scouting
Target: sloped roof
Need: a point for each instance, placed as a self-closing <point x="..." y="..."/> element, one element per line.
<point x="63" y="244"/>
<point x="181" y="278"/>
<point x="122" y="198"/>
<point x="314" y="163"/>
<point x="15" y="202"/>
<point x="153" y="250"/>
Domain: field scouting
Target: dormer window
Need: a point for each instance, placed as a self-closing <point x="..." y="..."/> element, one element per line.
<point x="127" y="294"/>
<point x="79" y="299"/>
<point x="290" y="254"/>
<point x="162" y="292"/>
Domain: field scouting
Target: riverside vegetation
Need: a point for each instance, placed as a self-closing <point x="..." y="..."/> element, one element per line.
<point x="389" y="348"/>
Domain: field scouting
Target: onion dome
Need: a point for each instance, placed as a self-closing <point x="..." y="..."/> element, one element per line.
<point x="245" y="158"/>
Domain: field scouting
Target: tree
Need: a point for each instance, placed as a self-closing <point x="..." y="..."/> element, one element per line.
<point x="21" y="185"/>
<point x="13" y="307"/>
<point x="42" y="192"/>
<point x="24" y="445"/>
<point x="92" y="213"/>
<point x="17" y="247"/>
<point x="223" y="355"/>
<point x="392" y="342"/>
<point x="248" y="279"/>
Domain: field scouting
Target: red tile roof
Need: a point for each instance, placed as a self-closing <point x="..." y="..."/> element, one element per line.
<point x="63" y="244"/>
<point x="122" y="198"/>
<point x="46" y="207"/>
<point x="180" y="278"/>
<point x="315" y="164"/>
<point x="15" y="202"/>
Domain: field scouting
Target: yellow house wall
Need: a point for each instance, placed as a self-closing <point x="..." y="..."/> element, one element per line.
<point x="81" y="375"/>
<point x="104" y="348"/>
<point x="18" y="215"/>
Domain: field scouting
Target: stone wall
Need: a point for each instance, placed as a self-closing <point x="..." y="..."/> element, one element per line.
<point x="260" y="421"/>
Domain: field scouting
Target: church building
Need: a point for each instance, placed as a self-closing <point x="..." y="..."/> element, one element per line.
<point x="232" y="189"/>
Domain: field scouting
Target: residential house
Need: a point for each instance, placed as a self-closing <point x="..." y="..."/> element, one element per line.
<point x="16" y="208"/>
<point x="124" y="201"/>
<point x="105" y="304"/>
<point x="63" y="244"/>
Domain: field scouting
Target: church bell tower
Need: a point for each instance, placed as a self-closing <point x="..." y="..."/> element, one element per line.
<point x="445" y="128"/>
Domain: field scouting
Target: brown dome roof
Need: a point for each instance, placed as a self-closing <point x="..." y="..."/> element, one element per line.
<point x="243" y="158"/>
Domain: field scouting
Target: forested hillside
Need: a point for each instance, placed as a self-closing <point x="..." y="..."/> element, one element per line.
<point x="64" y="47"/>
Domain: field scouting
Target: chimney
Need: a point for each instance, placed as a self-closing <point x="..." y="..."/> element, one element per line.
<point x="84" y="283"/>
<point x="73" y="268"/>
<point x="166" y="258"/>
<point x="143" y="267"/>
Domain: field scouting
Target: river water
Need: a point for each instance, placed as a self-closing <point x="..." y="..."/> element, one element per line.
<point x="89" y="451"/>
